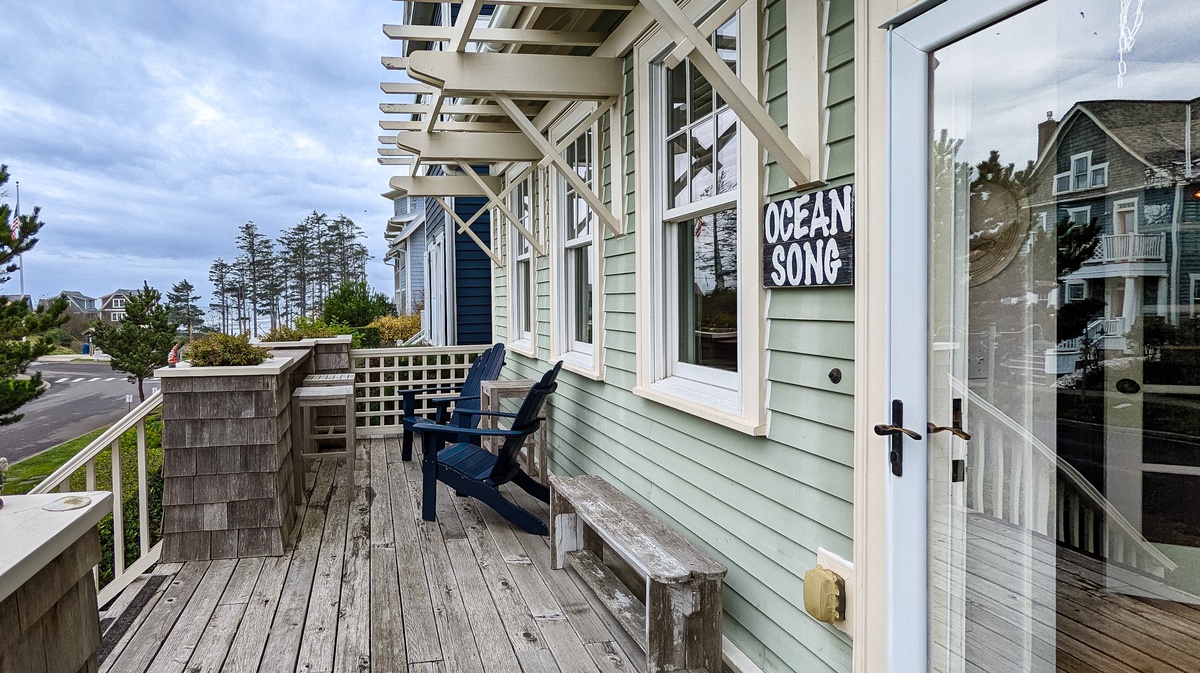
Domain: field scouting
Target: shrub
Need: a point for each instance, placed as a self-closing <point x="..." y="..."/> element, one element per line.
<point x="223" y="350"/>
<point x="58" y="337"/>
<point x="306" y="328"/>
<point x="394" y="329"/>
<point x="356" y="304"/>
<point x="365" y="337"/>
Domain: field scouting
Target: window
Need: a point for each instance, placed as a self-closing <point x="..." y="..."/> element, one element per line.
<point x="700" y="223"/>
<point x="118" y="302"/>
<point x="118" y="316"/>
<point x="1125" y="217"/>
<point x="1079" y="215"/>
<point x="521" y="283"/>
<point x="577" y="244"/>
<point x="1076" y="292"/>
<point x="1194" y="295"/>
<point x="1083" y="175"/>
<point x="402" y="278"/>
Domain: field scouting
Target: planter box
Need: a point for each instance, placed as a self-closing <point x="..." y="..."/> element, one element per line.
<point x="228" y="476"/>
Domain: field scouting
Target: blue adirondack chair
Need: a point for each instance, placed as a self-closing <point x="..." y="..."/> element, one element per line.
<point x="474" y="471"/>
<point x="486" y="367"/>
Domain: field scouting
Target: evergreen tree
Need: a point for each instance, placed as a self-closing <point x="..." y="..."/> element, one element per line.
<point x="17" y="319"/>
<point x="256" y="261"/>
<point x="298" y="253"/>
<point x="142" y="341"/>
<point x="219" y="275"/>
<point x="181" y="303"/>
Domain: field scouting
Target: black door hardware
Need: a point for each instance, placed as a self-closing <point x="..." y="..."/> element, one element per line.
<point x="958" y="470"/>
<point x="897" y="432"/>
<point x="955" y="428"/>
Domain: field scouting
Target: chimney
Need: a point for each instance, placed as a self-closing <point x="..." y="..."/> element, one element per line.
<point x="1045" y="130"/>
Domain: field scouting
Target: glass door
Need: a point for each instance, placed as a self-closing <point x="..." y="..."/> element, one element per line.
<point x="1063" y="389"/>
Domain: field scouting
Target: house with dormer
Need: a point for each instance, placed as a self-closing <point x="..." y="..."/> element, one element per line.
<point x="112" y="305"/>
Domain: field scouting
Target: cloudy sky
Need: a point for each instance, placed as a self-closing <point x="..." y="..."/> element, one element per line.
<point x="149" y="130"/>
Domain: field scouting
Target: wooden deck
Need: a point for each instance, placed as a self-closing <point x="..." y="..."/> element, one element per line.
<point x="1033" y="606"/>
<point x="369" y="586"/>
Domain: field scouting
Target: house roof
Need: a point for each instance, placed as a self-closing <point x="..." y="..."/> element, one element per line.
<point x="75" y="294"/>
<point x="1154" y="132"/>
<point x="120" y="291"/>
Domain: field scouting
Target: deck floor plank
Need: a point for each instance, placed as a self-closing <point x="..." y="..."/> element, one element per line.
<point x="167" y="570"/>
<point x="319" y="641"/>
<point x="145" y="644"/>
<point x="353" y="651"/>
<point x="421" y="639"/>
<point x="177" y="650"/>
<point x="246" y="649"/>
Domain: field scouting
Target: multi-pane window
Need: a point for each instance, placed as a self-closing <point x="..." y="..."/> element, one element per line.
<point x="402" y="278"/>
<point x="578" y="222"/>
<point x="700" y="237"/>
<point x="118" y="302"/>
<point x="1083" y="175"/>
<point x="118" y="316"/>
<point x="522" y="284"/>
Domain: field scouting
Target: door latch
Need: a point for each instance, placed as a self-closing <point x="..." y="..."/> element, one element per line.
<point x="955" y="428"/>
<point x="897" y="432"/>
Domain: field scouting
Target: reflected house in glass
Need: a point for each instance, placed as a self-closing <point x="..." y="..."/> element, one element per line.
<point x="1131" y="167"/>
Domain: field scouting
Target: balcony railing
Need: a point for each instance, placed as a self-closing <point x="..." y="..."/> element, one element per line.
<point x="1131" y="248"/>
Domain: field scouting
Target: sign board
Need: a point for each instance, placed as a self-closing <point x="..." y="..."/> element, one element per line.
<point x="808" y="240"/>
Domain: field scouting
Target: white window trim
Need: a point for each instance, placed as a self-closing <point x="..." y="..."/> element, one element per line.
<point x="118" y="316"/>
<point x="1193" y="287"/>
<point x="742" y="409"/>
<point x="1087" y="214"/>
<point x="519" y="340"/>
<point x="118" y="302"/>
<point x="1088" y="175"/>
<point x="580" y="358"/>
<point x="1123" y="205"/>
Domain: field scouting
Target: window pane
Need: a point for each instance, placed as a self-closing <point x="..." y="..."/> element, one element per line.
<point x="677" y="98"/>
<point x="725" y="41"/>
<point x="677" y="166"/>
<point x="727" y="152"/>
<point x="522" y="299"/>
<point x="708" y="331"/>
<point x="702" y="160"/>
<point x="702" y="95"/>
<point x="580" y="269"/>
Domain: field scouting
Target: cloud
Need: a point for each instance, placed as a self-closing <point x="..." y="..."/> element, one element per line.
<point x="148" y="132"/>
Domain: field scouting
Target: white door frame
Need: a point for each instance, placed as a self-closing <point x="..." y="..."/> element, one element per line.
<point x="910" y="45"/>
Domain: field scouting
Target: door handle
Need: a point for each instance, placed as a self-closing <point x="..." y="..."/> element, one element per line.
<point x="955" y="428"/>
<point x="897" y="432"/>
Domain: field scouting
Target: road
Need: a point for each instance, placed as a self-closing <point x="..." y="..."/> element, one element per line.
<point x="83" y="396"/>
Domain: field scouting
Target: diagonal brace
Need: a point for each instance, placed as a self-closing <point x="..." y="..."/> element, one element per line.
<point x="551" y="152"/>
<point x="466" y="229"/>
<point x="494" y="199"/>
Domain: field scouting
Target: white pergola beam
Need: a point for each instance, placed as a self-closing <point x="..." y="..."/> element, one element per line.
<point x="481" y="148"/>
<point x="495" y="200"/>
<point x="512" y="184"/>
<point x="428" y="122"/>
<point x="395" y="161"/>
<point x="466" y="229"/>
<point x="394" y="62"/>
<point x="520" y="36"/>
<point x="565" y="4"/>
<point x="518" y="76"/>
<point x="446" y="185"/>
<point x="483" y="109"/>
<point x="393" y="152"/>
<point x="486" y="127"/>
<point x="581" y="127"/>
<point x="406" y="88"/>
<point x="742" y="101"/>
<point x="549" y="151"/>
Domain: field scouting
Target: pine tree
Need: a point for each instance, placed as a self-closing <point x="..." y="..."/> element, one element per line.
<point x="257" y="253"/>
<point x="219" y="275"/>
<point x="298" y="253"/>
<point x="17" y="319"/>
<point x="181" y="303"/>
<point x="140" y="342"/>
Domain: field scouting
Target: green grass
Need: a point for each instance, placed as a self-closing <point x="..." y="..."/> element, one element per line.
<point x="23" y="476"/>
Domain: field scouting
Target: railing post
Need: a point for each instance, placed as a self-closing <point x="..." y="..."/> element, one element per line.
<point x="118" y="524"/>
<point x="143" y="490"/>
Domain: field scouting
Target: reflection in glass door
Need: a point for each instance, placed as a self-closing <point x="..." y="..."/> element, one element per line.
<point x="1064" y="382"/>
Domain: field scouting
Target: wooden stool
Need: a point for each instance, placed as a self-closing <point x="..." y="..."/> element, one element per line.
<point x="303" y="400"/>
<point x="324" y="422"/>
<point x="316" y="380"/>
<point x="533" y="453"/>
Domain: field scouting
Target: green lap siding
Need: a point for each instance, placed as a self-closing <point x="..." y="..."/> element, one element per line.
<point x="760" y="505"/>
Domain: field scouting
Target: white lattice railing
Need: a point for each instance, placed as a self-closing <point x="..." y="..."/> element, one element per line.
<point x="1023" y="482"/>
<point x="382" y="374"/>
<point x="124" y="570"/>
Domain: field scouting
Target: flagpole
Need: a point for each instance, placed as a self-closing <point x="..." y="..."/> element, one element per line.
<point x="17" y="228"/>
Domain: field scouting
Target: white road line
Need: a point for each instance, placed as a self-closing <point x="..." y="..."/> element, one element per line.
<point x="78" y="379"/>
<point x="95" y="379"/>
<point x="111" y="378"/>
<point x="63" y="380"/>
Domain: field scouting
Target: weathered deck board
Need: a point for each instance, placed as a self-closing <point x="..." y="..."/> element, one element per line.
<point x="369" y="586"/>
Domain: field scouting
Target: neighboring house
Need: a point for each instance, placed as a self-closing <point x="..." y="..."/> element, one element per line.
<point x="112" y="305"/>
<point x="669" y="182"/>
<point x="405" y="236"/>
<point x="1132" y="167"/>
<point x="77" y="302"/>
<point x="15" y="298"/>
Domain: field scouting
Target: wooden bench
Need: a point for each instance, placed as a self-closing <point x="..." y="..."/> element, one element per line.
<point x="677" y="618"/>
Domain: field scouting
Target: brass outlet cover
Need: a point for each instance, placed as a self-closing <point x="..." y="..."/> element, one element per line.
<point x="824" y="595"/>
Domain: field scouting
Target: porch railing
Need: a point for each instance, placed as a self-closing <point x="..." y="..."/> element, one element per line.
<point x="382" y="374"/>
<point x="1131" y="248"/>
<point x="124" y="570"/>
<point x="1025" y="483"/>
